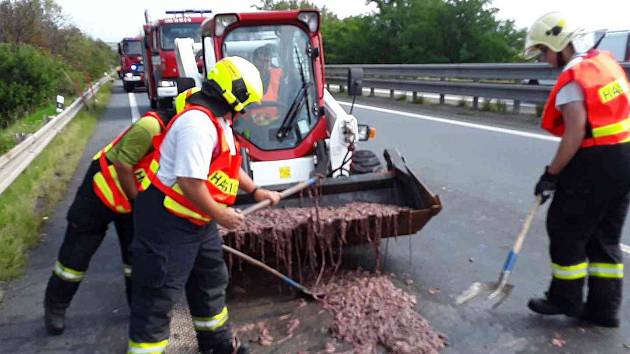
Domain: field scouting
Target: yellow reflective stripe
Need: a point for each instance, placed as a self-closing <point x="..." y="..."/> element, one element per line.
<point x="102" y="151"/>
<point x="571" y="272"/>
<point x="66" y="273"/>
<point x="606" y="270"/>
<point x="211" y="323"/>
<point x="147" y="348"/>
<point x="103" y="186"/>
<point x="127" y="270"/>
<point x="173" y="205"/>
<point x="612" y="129"/>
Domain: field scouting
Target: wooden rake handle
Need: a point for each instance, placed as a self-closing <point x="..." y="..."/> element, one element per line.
<point x="285" y="193"/>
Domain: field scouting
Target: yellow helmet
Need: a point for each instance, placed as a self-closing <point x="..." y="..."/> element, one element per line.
<point x="180" y="100"/>
<point x="236" y="80"/>
<point x="552" y="30"/>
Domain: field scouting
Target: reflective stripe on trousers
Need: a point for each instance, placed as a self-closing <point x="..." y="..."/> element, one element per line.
<point x="66" y="273"/>
<point x="571" y="272"/>
<point x="211" y="323"/>
<point x="147" y="348"/>
<point x="127" y="270"/>
<point x="606" y="270"/>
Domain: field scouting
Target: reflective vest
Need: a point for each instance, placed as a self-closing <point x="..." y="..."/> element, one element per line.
<point x="105" y="182"/>
<point x="264" y="115"/>
<point x="180" y="100"/>
<point x="606" y="91"/>
<point x="222" y="181"/>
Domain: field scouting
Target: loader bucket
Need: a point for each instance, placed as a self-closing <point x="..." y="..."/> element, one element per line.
<point x="397" y="186"/>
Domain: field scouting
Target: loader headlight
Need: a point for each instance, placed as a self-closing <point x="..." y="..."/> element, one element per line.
<point x="221" y="22"/>
<point x="166" y="83"/>
<point x="311" y="19"/>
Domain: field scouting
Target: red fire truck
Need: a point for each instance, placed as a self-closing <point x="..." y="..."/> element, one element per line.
<point x="159" y="53"/>
<point x="131" y="64"/>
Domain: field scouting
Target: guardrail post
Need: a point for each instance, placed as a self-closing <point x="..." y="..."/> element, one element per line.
<point x="517" y="106"/>
<point x="414" y="97"/>
<point x="391" y="93"/>
<point x="371" y="91"/>
<point x="342" y="89"/>
<point x="328" y="86"/>
<point x="442" y="96"/>
<point x="476" y="98"/>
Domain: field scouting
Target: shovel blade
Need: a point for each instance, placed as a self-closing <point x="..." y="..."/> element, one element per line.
<point x="489" y="291"/>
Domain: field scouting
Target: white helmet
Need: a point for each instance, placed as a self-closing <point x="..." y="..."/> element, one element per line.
<point x="552" y="30"/>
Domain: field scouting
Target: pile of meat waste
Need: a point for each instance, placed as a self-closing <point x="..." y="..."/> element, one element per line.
<point x="312" y="236"/>
<point x="368" y="310"/>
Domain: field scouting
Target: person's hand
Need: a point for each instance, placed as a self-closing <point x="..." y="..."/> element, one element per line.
<point x="546" y="186"/>
<point x="230" y="218"/>
<point x="262" y="194"/>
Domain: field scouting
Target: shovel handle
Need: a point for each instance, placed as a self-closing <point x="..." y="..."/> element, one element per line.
<point x="518" y="244"/>
<point x="285" y="193"/>
<point x="262" y="265"/>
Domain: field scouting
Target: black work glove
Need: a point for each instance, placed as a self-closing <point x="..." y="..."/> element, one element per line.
<point x="546" y="186"/>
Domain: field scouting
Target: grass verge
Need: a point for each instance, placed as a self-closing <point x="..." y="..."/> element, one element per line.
<point x="36" y="192"/>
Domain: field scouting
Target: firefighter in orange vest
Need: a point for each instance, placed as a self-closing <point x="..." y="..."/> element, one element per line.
<point x="176" y="246"/>
<point x="589" y="177"/>
<point x="112" y="181"/>
<point x="267" y="111"/>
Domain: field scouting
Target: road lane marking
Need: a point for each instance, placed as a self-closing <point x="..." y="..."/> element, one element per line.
<point x="133" y="104"/>
<point x="459" y="123"/>
<point x="624" y="248"/>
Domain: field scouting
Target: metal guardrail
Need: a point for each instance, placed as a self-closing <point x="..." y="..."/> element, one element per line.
<point x="508" y="81"/>
<point x="16" y="160"/>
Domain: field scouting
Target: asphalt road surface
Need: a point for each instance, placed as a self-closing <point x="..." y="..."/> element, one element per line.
<point x="484" y="176"/>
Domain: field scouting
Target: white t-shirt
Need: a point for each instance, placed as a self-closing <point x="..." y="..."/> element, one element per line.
<point x="187" y="147"/>
<point x="571" y="92"/>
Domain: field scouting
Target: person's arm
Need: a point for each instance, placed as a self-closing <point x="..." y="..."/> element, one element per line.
<point x="197" y="193"/>
<point x="127" y="179"/>
<point x="574" y="116"/>
<point x="247" y="184"/>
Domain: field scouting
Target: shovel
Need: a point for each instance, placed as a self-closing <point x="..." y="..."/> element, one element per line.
<point x="263" y="204"/>
<point x="499" y="291"/>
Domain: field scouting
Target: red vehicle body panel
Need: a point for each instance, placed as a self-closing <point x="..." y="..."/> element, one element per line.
<point x="319" y="132"/>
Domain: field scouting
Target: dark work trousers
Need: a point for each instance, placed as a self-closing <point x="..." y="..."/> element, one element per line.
<point x="172" y="254"/>
<point x="584" y="223"/>
<point x="88" y="219"/>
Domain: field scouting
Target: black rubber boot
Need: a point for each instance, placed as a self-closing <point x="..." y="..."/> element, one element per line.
<point x="227" y="347"/>
<point x="544" y="306"/>
<point x="55" y="319"/>
<point x="600" y="320"/>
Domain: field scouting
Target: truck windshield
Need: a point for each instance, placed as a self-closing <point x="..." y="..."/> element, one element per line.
<point x="289" y="104"/>
<point x="180" y="30"/>
<point x="132" y="48"/>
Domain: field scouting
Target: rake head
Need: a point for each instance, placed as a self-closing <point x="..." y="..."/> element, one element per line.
<point x="492" y="293"/>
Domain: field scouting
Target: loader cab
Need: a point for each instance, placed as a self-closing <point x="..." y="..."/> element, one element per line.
<point x="159" y="53"/>
<point x="286" y="47"/>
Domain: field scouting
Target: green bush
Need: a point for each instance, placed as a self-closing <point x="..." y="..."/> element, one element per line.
<point x="30" y="80"/>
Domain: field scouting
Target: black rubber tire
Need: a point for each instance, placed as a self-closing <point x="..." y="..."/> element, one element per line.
<point x="128" y="87"/>
<point x="365" y="161"/>
<point x="153" y="103"/>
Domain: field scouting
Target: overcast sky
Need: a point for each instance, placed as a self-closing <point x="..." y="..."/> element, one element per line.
<point x="114" y="19"/>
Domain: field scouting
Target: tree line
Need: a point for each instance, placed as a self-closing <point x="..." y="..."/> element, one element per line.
<point x="416" y="32"/>
<point x="42" y="54"/>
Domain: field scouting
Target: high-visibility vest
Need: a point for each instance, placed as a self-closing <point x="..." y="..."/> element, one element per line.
<point x="606" y="91"/>
<point x="105" y="182"/>
<point x="222" y="181"/>
<point x="266" y="114"/>
<point x="180" y="100"/>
